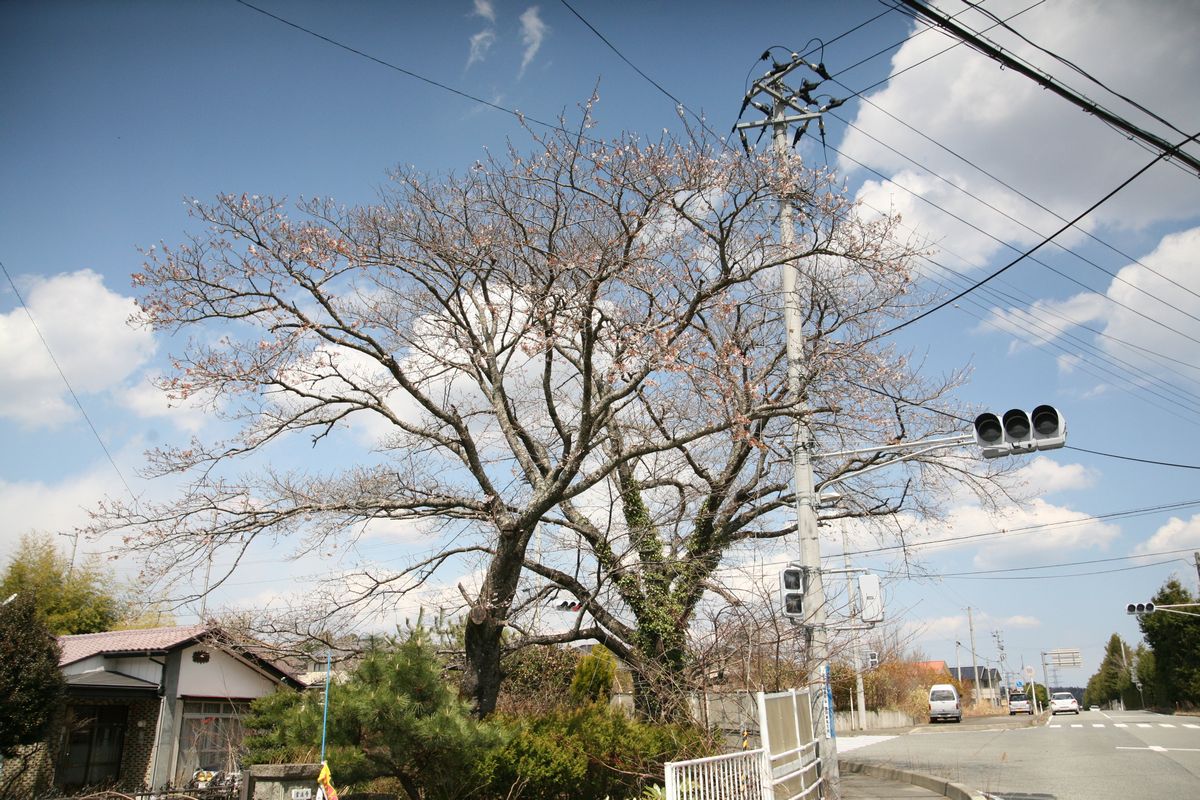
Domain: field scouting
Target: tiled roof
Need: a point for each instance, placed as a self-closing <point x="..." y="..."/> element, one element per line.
<point x="157" y="640"/>
<point x="85" y="645"/>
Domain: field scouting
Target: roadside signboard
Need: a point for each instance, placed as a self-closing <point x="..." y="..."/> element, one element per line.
<point x="1064" y="657"/>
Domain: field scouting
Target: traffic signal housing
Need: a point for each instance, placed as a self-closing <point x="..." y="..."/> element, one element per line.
<point x="1016" y="431"/>
<point x="791" y="592"/>
<point x="1139" y="608"/>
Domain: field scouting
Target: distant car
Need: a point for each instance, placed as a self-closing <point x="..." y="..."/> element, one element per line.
<point x="944" y="703"/>
<point x="1019" y="704"/>
<point x="1094" y="708"/>
<point x="1063" y="703"/>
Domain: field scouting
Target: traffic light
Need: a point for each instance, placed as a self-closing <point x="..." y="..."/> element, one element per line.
<point x="1019" y="432"/>
<point x="791" y="592"/>
<point x="1139" y="608"/>
<point x="872" y="659"/>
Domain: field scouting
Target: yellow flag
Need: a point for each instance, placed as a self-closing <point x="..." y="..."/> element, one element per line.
<point x="326" y="781"/>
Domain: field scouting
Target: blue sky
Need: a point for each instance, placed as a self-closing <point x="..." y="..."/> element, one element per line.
<point x="114" y="113"/>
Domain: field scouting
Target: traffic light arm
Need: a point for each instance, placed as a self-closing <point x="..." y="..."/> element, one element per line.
<point x="941" y="444"/>
<point x="929" y="444"/>
<point x="1174" y="608"/>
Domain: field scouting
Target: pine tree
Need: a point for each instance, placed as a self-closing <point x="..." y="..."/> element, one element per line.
<point x="31" y="685"/>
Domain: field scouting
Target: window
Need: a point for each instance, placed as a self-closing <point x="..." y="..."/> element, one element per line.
<point x="210" y="737"/>
<point x="942" y="694"/>
<point x="93" y="740"/>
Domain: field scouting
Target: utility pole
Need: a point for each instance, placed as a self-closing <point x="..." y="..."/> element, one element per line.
<point x="856" y="647"/>
<point x="780" y="99"/>
<point x="1196" y="556"/>
<point x="998" y="635"/>
<point x="974" y="660"/>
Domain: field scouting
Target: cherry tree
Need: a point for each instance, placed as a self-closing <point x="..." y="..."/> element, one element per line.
<point x="515" y="343"/>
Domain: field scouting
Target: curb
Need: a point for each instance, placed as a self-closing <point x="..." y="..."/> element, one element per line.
<point x="955" y="791"/>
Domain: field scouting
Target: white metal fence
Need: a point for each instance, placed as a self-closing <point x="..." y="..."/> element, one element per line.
<point x="734" y="776"/>
<point x="787" y="767"/>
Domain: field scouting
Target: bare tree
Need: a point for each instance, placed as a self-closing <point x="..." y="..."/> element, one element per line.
<point x="671" y="517"/>
<point x="493" y="325"/>
<point x="588" y="320"/>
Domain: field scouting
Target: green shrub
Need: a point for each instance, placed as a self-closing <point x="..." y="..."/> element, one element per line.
<point x="594" y="675"/>
<point x="586" y="753"/>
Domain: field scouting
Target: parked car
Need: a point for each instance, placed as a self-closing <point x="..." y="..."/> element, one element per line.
<point x="1064" y="703"/>
<point x="1019" y="704"/>
<point x="944" y="703"/>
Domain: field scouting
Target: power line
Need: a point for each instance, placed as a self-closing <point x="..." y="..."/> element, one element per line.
<point x="1068" y="563"/>
<point x="415" y="75"/>
<point x="988" y="204"/>
<point x="1046" y="81"/>
<point x="1033" y="528"/>
<point x="1131" y="458"/>
<point x="67" y="383"/>
<point x="1067" y="62"/>
<point x="1030" y="251"/>
<point x="1061" y="575"/>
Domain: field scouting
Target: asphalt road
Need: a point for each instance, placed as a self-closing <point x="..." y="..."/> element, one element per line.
<point x="1097" y="755"/>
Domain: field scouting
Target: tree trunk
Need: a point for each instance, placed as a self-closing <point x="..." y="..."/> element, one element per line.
<point x="659" y="692"/>
<point x="486" y="620"/>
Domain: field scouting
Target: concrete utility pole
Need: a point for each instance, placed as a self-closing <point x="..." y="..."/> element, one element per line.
<point x="1196" y="556"/>
<point x="857" y="644"/>
<point x="974" y="660"/>
<point x="780" y="100"/>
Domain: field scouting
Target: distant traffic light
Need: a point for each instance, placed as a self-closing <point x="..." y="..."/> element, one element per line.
<point x="791" y="592"/>
<point x="1018" y="432"/>
<point x="872" y="659"/>
<point x="1139" y="608"/>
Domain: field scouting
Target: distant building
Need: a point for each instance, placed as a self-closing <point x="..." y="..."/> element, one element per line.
<point x="991" y="688"/>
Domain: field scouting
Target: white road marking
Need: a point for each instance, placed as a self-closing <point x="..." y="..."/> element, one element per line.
<point x="1120" y="725"/>
<point x="1165" y="725"/>
<point x="1097" y="724"/>
<point x="847" y="743"/>
<point x="1076" y="725"/>
<point x="1055" y="725"/>
<point x="1190" y="725"/>
<point x="1159" y="749"/>
<point x="1143" y="725"/>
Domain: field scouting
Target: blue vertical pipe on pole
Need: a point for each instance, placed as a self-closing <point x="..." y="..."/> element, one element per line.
<point x="829" y="703"/>
<point x="325" y="713"/>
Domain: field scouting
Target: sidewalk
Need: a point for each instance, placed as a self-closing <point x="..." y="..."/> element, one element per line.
<point x="857" y="786"/>
<point x="875" y="782"/>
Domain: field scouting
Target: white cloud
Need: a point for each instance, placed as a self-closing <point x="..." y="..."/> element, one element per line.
<point x="85" y="326"/>
<point x="148" y="401"/>
<point x="32" y="506"/>
<point x="481" y="43"/>
<point x="1031" y="138"/>
<point x="1021" y="621"/>
<point x="533" y="32"/>
<point x="1046" y="476"/>
<point x="485" y="9"/>
<point x="1040" y="531"/>
<point x="1176" y="534"/>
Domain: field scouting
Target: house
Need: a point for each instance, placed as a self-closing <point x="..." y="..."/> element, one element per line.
<point x="935" y="670"/>
<point x="148" y="707"/>
<point x="990" y="682"/>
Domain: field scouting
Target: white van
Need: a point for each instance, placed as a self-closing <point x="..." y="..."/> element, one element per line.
<point x="944" y="703"/>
